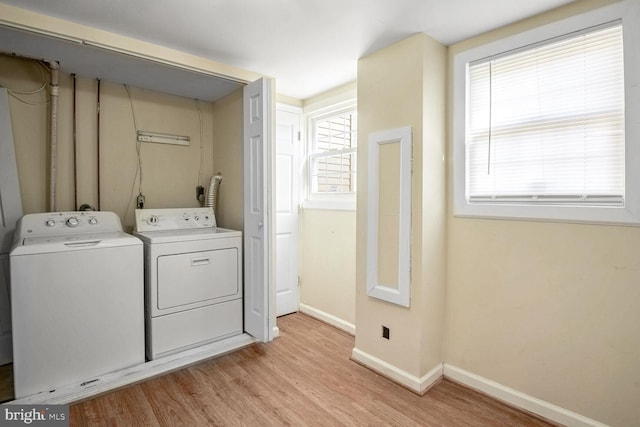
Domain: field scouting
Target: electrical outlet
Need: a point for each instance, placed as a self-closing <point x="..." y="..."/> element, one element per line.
<point x="385" y="332"/>
<point x="140" y="201"/>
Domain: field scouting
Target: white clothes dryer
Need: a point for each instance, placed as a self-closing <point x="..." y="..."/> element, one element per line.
<point x="193" y="279"/>
<point x="76" y="298"/>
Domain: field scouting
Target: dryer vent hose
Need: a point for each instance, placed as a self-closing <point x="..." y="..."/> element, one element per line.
<point x="212" y="192"/>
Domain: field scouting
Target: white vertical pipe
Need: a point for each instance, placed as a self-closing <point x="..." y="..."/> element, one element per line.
<point x="53" y="141"/>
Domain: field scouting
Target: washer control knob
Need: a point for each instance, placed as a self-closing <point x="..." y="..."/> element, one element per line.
<point x="72" y="222"/>
<point x="49" y="223"/>
<point x="93" y="221"/>
<point x="153" y="220"/>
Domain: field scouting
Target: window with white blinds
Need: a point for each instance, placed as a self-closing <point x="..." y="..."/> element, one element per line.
<point x="545" y="121"/>
<point x="332" y="157"/>
<point x="545" y="124"/>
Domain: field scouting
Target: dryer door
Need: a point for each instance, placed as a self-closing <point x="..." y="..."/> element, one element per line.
<point x="198" y="278"/>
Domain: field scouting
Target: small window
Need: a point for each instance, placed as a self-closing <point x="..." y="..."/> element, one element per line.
<point x="542" y="132"/>
<point x="331" y="159"/>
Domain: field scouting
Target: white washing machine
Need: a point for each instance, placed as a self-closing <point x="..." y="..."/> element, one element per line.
<point x="193" y="279"/>
<point x="77" y="299"/>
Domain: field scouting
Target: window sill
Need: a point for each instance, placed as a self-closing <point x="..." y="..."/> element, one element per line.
<point x="603" y="215"/>
<point x="335" y="204"/>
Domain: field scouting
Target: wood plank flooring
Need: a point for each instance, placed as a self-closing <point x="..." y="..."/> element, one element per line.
<point x="6" y="382"/>
<point x="303" y="378"/>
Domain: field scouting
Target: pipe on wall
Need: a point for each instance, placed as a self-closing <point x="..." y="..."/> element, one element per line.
<point x="98" y="142"/>
<point x="54" y="67"/>
<point x="75" y="144"/>
<point x="212" y="192"/>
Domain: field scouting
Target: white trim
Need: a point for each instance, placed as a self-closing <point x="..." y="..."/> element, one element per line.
<point x="325" y="317"/>
<point x="397" y="293"/>
<point x="405" y="379"/>
<point x="275" y="333"/>
<point x="628" y="11"/>
<point x="518" y="399"/>
<point x="135" y="374"/>
<point x="324" y="108"/>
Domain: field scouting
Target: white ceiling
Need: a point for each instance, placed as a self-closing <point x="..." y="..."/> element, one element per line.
<point x="309" y="46"/>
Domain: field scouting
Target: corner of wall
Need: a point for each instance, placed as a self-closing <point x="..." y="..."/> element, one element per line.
<point x="396" y="87"/>
<point x="418" y="385"/>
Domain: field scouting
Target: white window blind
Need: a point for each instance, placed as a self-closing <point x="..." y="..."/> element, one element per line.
<point x="545" y="124"/>
<point x="333" y="156"/>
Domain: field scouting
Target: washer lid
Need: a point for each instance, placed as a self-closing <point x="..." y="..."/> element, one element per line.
<point x="170" y="236"/>
<point x="65" y="243"/>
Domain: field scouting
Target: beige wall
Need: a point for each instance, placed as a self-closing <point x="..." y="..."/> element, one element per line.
<point x="328" y="242"/>
<point x="228" y="159"/>
<point x="29" y="118"/>
<point x="331" y="97"/>
<point x="87" y="147"/>
<point x="170" y="172"/>
<point x="327" y="262"/>
<point x="551" y="310"/>
<point x="433" y="208"/>
<point x="396" y="86"/>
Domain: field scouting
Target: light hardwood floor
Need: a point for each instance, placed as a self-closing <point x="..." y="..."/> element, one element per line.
<point x="303" y="378"/>
<point x="6" y="382"/>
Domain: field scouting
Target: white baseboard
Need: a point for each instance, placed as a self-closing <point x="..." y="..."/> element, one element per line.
<point x="275" y="332"/>
<point x="519" y="400"/>
<point x="413" y="383"/>
<point x="343" y="325"/>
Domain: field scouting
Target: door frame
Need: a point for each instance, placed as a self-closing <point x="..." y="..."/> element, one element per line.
<point x="296" y="190"/>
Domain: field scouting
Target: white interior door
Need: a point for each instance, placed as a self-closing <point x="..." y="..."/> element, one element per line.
<point x="258" y="115"/>
<point x="287" y="161"/>
<point x="10" y="212"/>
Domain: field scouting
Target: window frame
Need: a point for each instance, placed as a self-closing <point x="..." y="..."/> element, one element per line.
<point x="330" y="201"/>
<point x="625" y="11"/>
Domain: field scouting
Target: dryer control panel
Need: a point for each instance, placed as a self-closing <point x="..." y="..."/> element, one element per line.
<point x="174" y="219"/>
